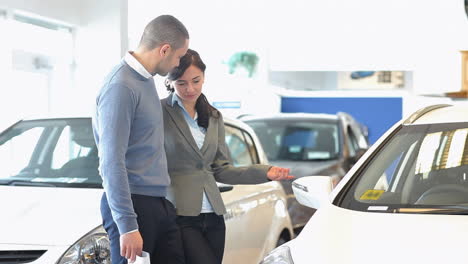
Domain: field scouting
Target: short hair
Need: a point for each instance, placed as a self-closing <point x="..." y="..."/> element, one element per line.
<point x="164" y="29"/>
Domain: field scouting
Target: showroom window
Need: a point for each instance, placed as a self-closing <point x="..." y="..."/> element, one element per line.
<point x="38" y="64"/>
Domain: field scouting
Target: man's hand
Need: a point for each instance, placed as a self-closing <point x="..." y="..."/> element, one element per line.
<point x="131" y="245"/>
<point x="278" y="174"/>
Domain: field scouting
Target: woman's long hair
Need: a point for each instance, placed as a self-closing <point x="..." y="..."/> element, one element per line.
<point x="202" y="106"/>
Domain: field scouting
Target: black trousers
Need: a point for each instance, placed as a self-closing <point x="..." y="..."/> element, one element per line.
<point x="203" y="238"/>
<point x="157" y="225"/>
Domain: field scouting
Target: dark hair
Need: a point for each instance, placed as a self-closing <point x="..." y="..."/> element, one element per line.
<point x="202" y="106"/>
<point x="164" y="29"/>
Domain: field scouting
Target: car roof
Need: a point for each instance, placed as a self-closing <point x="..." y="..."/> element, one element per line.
<point x="440" y="114"/>
<point x="238" y="123"/>
<point x="321" y="116"/>
<point x="227" y="120"/>
<point x="52" y="117"/>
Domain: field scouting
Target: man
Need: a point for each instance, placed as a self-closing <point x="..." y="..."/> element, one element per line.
<point x="129" y="133"/>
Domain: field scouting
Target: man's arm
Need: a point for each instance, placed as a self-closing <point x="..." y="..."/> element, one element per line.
<point x="115" y="112"/>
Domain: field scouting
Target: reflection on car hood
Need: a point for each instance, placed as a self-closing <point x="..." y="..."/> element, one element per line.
<point x="308" y="168"/>
<point x="336" y="235"/>
<point x="47" y="216"/>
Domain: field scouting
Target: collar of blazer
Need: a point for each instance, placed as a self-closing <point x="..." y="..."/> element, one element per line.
<point x="178" y="118"/>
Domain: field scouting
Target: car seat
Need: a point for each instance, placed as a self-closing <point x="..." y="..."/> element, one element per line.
<point x="84" y="166"/>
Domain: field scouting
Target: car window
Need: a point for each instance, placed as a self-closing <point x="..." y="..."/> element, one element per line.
<point x="238" y="148"/>
<point x="69" y="147"/>
<point x="297" y="140"/>
<point x="63" y="153"/>
<point x="419" y="166"/>
<point x="16" y="152"/>
<point x="353" y="144"/>
<point x="252" y="148"/>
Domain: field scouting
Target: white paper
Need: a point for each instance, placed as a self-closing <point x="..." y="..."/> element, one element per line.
<point x="144" y="259"/>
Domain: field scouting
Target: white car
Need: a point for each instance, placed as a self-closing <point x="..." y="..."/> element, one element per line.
<point x="405" y="200"/>
<point x="50" y="192"/>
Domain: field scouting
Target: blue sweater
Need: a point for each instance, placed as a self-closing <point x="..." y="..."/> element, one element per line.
<point x="128" y="129"/>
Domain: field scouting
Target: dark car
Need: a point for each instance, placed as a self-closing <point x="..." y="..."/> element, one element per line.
<point x="310" y="144"/>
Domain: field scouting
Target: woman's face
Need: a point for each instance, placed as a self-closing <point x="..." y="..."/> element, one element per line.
<point x="189" y="86"/>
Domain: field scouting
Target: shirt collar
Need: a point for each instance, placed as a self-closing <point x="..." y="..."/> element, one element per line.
<point x="176" y="99"/>
<point x="136" y="65"/>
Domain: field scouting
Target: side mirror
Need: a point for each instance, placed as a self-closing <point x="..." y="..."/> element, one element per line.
<point x="313" y="191"/>
<point x="224" y="187"/>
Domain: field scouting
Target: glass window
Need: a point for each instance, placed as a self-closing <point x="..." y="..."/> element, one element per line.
<point x="57" y="152"/>
<point x="68" y="147"/>
<point x="37" y="60"/>
<point x="421" y="166"/>
<point x="353" y="144"/>
<point x="238" y="148"/>
<point x="17" y="151"/>
<point x="252" y="148"/>
<point x="297" y="140"/>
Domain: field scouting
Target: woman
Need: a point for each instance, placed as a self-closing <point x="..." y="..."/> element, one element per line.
<point x="197" y="157"/>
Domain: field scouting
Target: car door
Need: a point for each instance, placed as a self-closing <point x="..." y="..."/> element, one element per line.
<point x="250" y="208"/>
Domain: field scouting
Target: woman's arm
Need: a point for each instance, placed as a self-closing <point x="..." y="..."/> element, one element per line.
<point x="225" y="172"/>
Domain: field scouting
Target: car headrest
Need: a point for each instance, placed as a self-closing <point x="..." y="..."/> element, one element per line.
<point x="83" y="136"/>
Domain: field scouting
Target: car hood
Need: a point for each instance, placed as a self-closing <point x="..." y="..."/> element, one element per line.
<point x="47" y="216"/>
<point x="310" y="168"/>
<point x="336" y="235"/>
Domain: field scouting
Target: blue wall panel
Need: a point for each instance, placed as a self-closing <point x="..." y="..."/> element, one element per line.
<point x="377" y="113"/>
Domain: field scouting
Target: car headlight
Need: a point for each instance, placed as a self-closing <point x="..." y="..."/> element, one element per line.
<point x="280" y="255"/>
<point x="93" y="248"/>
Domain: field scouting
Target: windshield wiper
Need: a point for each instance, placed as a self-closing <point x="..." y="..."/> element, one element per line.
<point x="27" y="183"/>
<point x="446" y="209"/>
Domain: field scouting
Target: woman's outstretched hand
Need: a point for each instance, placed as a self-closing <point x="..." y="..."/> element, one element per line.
<point x="279" y="174"/>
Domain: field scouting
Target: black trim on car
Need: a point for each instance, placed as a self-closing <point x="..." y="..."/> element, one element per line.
<point x="350" y="185"/>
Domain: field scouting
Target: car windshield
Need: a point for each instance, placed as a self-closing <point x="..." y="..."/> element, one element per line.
<point x="58" y="152"/>
<point x="421" y="169"/>
<point x="297" y="140"/>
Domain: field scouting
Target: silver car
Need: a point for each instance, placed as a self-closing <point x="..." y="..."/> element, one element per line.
<point x="50" y="190"/>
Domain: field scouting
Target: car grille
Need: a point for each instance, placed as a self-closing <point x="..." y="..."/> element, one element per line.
<point x="19" y="256"/>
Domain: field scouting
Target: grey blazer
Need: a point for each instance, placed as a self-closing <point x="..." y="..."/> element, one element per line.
<point x="193" y="170"/>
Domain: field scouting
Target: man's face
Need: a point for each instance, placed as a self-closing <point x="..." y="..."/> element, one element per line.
<point x="172" y="59"/>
